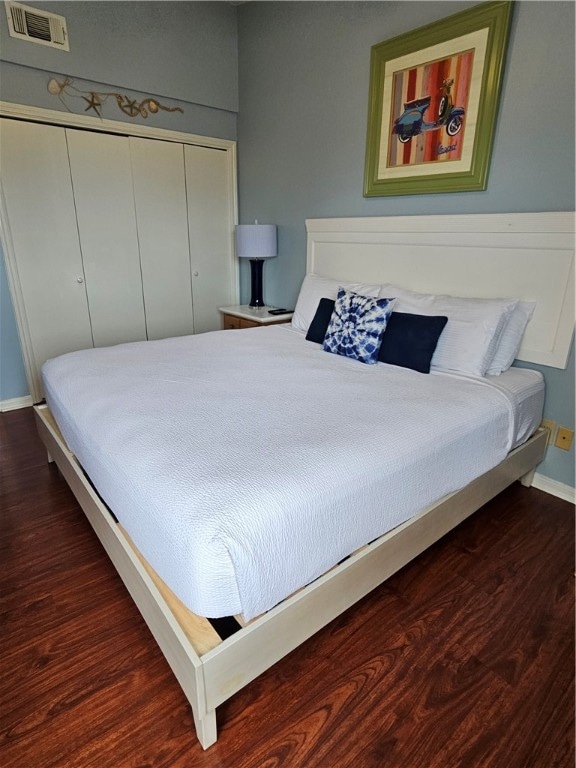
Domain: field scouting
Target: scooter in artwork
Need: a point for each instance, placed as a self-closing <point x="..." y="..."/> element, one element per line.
<point x="412" y="123"/>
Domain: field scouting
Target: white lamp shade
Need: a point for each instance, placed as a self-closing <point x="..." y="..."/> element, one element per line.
<point x="256" y="241"/>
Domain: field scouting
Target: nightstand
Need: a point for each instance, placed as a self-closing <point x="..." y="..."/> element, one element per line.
<point x="244" y="316"/>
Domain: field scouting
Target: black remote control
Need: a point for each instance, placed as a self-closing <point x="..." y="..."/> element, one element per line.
<point x="278" y="311"/>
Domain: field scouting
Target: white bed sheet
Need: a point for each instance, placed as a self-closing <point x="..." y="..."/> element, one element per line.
<point x="245" y="464"/>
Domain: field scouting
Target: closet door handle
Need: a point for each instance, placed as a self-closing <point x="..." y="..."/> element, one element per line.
<point x="195" y="273"/>
<point x="79" y="279"/>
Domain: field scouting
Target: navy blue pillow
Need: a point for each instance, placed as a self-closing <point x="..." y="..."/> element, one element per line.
<point x="321" y="321"/>
<point x="410" y="340"/>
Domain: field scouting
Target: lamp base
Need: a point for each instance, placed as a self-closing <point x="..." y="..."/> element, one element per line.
<point x="256" y="299"/>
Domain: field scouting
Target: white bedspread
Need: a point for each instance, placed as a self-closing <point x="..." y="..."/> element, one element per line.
<point x="244" y="464"/>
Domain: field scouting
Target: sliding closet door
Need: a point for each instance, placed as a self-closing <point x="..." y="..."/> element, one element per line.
<point x="162" y="219"/>
<point x="102" y="180"/>
<point x="44" y="241"/>
<point x="210" y="226"/>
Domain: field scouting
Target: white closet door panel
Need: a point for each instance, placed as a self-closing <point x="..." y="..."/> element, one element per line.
<point x="40" y="210"/>
<point x="104" y="197"/>
<point x="210" y="223"/>
<point x="162" y="220"/>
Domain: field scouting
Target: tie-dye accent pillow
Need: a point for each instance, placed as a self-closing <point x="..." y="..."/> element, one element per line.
<point x="357" y="326"/>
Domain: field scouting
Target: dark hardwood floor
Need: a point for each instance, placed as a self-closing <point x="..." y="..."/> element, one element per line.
<point x="464" y="659"/>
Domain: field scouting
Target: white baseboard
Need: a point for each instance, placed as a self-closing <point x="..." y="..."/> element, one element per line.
<point x="15" y="403"/>
<point x="554" y="487"/>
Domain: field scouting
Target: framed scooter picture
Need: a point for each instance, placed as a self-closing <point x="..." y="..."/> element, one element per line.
<point x="434" y="95"/>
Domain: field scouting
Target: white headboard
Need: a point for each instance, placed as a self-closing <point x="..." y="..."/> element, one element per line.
<point x="528" y="256"/>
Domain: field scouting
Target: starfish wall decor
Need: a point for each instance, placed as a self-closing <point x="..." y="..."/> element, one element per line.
<point x="96" y="99"/>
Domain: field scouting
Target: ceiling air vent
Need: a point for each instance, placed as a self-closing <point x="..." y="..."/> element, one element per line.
<point x="37" y="26"/>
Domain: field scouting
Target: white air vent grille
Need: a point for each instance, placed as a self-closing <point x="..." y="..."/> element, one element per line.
<point x="37" y="26"/>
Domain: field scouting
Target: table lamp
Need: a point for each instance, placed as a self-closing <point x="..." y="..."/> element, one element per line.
<point x="256" y="242"/>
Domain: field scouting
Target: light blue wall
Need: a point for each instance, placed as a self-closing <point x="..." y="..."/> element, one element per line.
<point x="558" y="464"/>
<point x="179" y="50"/>
<point x="28" y="86"/>
<point x="304" y="77"/>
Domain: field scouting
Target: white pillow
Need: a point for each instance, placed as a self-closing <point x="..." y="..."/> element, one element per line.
<point x="472" y="333"/>
<point x="315" y="288"/>
<point x="511" y="338"/>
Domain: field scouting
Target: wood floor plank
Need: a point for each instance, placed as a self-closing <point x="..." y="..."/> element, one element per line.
<point x="464" y="658"/>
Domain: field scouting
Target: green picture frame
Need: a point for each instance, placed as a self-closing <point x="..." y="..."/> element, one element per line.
<point x="434" y="96"/>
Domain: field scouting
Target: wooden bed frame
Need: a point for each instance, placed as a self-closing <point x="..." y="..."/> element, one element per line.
<point x="211" y="670"/>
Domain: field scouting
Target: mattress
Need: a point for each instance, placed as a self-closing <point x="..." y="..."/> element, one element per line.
<point x="245" y="464"/>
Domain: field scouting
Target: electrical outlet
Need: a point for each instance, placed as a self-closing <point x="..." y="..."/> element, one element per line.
<point x="564" y="437"/>
<point x="551" y="427"/>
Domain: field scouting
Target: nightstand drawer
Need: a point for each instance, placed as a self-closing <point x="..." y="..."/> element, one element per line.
<point x="229" y="322"/>
<point x="249" y="323"/>
<point x="244" y="316"/>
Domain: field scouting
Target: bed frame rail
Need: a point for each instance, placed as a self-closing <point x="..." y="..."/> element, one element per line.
<point x="241" y="658"/>
<point x="181" y="656"/>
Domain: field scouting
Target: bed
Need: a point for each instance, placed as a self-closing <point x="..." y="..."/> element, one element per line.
<point x="202" y="461"/>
